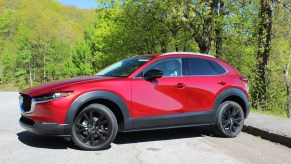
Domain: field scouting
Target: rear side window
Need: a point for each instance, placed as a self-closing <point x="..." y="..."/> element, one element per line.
<point x="200" y="67"/>
<point x="218" y="68"/>
<point x="204" y="67"/>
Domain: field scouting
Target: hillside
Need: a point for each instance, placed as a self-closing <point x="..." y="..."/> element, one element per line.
<point x="36" y="36"/>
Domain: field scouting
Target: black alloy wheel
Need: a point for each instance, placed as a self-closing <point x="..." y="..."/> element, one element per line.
<point x="94" y="128"/>
<point x="230" y="119"/>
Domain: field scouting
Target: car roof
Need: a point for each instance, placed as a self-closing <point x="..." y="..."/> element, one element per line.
<point x="179" y="53"/>
<point x="187" y="53"/>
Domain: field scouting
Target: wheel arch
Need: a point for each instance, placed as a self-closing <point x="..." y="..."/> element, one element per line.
<point x="114" y="102"/>
<point x="236" y="95"/>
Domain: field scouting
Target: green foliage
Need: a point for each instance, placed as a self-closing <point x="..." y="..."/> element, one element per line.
<point x="37" y="40"/>
<point x="82" y="60"/>
<point x="139" y="27"/>
<point x="279" y="58"/>
<point x="240" y="44"/>
<point x="8" y="57"/>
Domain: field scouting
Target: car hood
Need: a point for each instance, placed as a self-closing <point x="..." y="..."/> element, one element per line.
<point x="54" y="86"/>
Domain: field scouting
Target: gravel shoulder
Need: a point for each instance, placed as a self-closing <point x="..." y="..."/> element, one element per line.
<point x="269" y="128"/>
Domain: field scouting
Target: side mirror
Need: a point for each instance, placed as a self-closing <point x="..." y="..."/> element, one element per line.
<point x="153" y="74"/>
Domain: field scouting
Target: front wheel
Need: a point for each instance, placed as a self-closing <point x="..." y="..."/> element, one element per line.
<point x="94" y="128"/>
<point x="230" y="119"/>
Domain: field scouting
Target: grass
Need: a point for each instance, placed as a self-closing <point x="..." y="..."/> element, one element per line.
<point x="8" y="87"/>
<point x="272" y="113"/>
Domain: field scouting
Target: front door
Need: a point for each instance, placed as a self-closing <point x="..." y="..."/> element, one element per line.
<point x="160" y="102"/>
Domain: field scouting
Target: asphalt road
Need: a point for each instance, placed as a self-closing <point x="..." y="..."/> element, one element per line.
<point x="184" y="145"/>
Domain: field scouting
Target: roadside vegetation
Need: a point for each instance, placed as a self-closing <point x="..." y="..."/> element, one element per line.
<point x="42" y="40"/>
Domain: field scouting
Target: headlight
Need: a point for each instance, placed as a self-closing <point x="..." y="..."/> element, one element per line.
<point x="52" y="96"/>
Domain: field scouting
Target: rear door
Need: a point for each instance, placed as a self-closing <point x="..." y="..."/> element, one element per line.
<point x="204" y="81"/>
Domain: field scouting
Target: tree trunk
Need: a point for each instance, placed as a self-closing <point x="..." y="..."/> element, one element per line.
<point x="30" y="75"/>
<point x="264" y="47"/>
<point x="201" y="31"/>
<point x="218" y="41"/>
<point x="44" y="64"/>
<point x="288" y="87"/>
<point x="33" y="67"/>
<point x="163" y="46"/>
<point x="204" y="40"/>
<point x="44" y="69"/>
<point x="219" y="28"/>
<point x="289" y="100"/>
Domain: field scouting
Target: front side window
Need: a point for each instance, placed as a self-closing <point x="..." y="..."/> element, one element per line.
<point x="169" y="67"/>
<point x="125" y="67"/>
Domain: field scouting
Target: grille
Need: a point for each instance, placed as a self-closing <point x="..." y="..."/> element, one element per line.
<point x="26" y="104"/>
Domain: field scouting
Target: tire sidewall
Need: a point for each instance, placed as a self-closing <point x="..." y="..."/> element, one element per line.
<point x="219" y="127"/>
<point x="111" y="118"/>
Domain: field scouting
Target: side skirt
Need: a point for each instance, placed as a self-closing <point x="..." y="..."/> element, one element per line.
<point x="174" y="121"/>
<point x="168" y="127"/>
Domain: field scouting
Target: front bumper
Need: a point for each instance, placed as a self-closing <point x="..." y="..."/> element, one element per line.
<point x="45" y="128"/>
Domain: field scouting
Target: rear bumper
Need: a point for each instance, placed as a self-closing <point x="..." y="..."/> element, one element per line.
<point x="45" y="128"/>
<point x="248" y="108"/>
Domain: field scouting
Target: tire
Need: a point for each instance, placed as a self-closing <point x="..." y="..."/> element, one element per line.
<point x="94" y="128"/>
<point x="230" y="119"/>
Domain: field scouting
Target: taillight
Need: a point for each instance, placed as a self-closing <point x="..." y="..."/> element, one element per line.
<point x="245" y="79"/>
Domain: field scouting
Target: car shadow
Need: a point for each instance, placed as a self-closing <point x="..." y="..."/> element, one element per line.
<point x="46" y="142"/>
<point x="50" y="142"/>
<point x="160" y="135"/>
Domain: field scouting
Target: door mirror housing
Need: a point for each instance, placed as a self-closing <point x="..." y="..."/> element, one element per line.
<point x="153" y="74"/>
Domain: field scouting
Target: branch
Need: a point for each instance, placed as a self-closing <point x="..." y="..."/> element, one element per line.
<point x="285" y="5"/>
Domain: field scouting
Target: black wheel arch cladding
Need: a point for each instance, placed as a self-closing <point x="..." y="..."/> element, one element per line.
<point x="228" y="93"/>
<point x="95" y="95"/>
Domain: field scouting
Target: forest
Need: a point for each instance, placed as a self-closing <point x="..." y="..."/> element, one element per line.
<point x="43" y="40"/>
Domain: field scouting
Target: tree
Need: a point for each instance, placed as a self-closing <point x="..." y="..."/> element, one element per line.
<point x="82" y="60"/>
<point x="24" y="59"/>
<point x="263" y="54"/>
<point x="278" y="70"/>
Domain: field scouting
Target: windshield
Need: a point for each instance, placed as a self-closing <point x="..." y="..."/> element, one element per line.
<point x="125" y="67"/>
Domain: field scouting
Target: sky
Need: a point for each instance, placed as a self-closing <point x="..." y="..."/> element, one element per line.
<point x="84" y="4"/>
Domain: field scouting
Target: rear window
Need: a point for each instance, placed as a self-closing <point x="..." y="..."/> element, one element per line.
<point x="205" y="67"/>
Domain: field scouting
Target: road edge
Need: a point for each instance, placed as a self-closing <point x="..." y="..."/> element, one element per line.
<point x="264" y="134"/>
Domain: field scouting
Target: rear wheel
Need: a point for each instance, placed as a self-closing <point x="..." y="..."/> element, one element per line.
<point x="230" y="119"/>
<point x="94" y="128"/>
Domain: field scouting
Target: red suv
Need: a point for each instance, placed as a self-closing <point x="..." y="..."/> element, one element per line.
<point x="177" y="89"/>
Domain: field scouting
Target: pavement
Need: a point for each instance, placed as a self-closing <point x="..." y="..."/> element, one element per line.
<point x="269" y="128"/>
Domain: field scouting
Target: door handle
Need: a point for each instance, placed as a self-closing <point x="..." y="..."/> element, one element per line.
<point x="221" y="82"/>
<point x="180" y="85"/>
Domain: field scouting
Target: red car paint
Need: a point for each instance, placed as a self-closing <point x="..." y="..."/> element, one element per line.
<point x="167" y="96"/>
